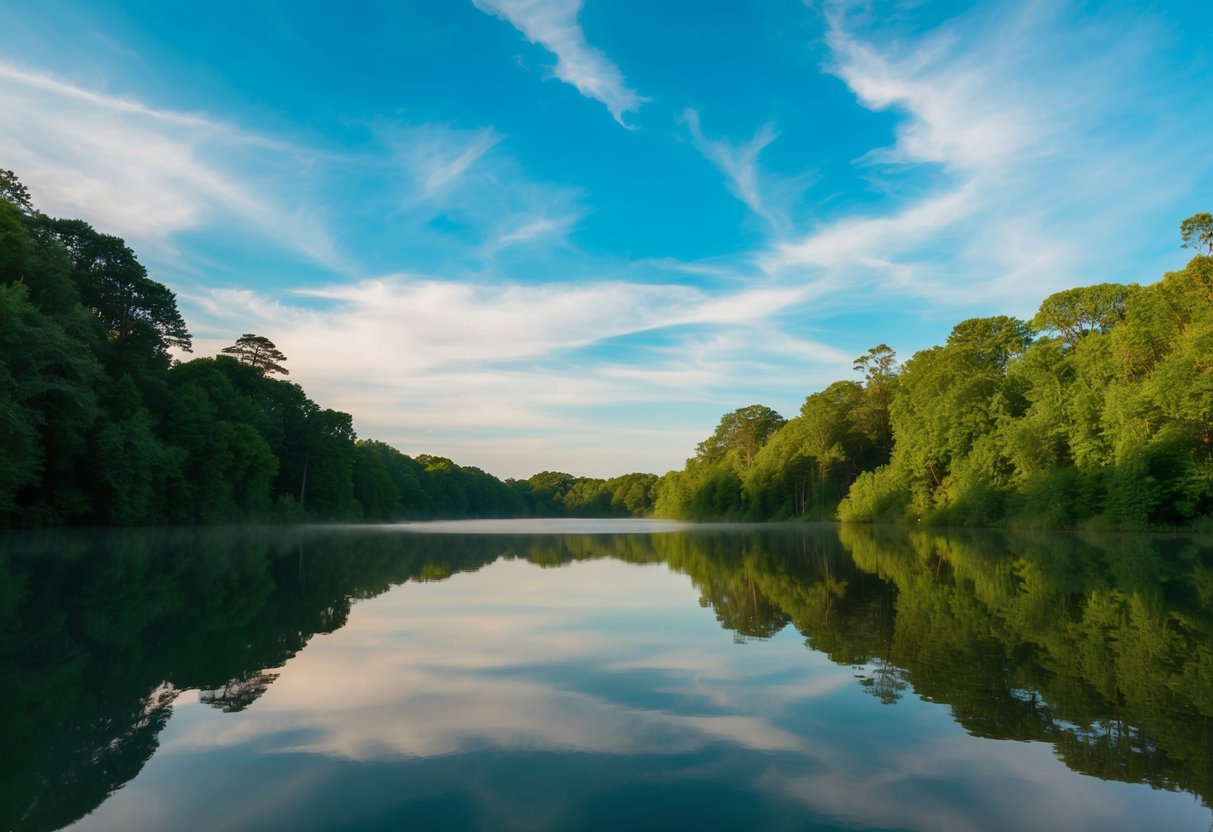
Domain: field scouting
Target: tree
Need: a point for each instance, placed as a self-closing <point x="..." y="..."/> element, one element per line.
<point x="779" y="484"/>
<point x="879" y="368"/>
<point x="878" y="364"/>
<point x="48" y="406"/>
<point x="828" y="428"/>
<point x="744" y="431"/>
<point x="259" y="352"/>
<point x="1196" y="232"/>
<point x="12" y="190"/>
<point x="373" y="486"/>
<point x="139" y="315"/>
<point x="1075" y="312"/>
<point x="327" y="489"/>
<point x="990" y="343"/>
<point x="229" y="466"/>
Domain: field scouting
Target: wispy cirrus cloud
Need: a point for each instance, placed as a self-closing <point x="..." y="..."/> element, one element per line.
<point x="151" y="172"/>
<point x="486" y="366"/>
<point x="153" y="175"/>
<point x="435" y="159"/>
<point x="525" y="229"/>
<point x="553" y="25"/>
<point x="147" y="169"/>
<point x="467" y="182"/>
<point x="1021" y="163"/>
<point x="739" y="163"/>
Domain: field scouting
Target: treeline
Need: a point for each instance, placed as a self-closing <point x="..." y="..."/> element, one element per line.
<point x="100" y="425"/>
<point x="1097" y="412"/>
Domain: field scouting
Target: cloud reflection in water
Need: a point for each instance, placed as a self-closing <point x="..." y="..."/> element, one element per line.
<point x="560" y="698"/>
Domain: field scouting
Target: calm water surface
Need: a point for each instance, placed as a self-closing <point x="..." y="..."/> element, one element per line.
<point x="599" y="675"/>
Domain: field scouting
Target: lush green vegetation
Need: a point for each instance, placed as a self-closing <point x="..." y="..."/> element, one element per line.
<point x="100" y="425"/>
<point x="1098" y="411"/>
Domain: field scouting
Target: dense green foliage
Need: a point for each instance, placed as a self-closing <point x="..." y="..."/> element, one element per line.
<point x="556" y="494"/>
<point x="1099" y="411"/>
<point x="1105" y="417"/>
<point x="100" y="425"/>
<point x="798" y="468"/>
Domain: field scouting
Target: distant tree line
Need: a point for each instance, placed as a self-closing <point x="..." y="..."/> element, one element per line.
<point x="1096" y="412"/>
<point x="100" y="425"/>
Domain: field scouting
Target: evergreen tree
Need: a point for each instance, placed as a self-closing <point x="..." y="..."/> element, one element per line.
<point x="258" y="352"/>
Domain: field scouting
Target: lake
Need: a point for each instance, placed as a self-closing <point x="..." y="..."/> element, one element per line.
<point x="604" y="675"/>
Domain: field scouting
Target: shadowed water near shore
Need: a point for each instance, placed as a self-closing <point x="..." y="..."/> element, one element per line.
<point x="313" y="678"/>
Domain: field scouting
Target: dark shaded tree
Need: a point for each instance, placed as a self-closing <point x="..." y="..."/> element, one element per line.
<point x="14" y="191"/>
<point x="258" y="352"/>
<point x="139" y="316"/>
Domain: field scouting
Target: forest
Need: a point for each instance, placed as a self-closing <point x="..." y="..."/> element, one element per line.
<point x="1097" y="412"/>
<point x="101" y="425"/>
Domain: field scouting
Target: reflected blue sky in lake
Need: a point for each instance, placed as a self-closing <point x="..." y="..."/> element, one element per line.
<point x="593" y="694"/>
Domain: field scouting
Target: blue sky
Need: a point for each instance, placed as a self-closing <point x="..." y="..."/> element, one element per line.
<point x="545" y="234"/>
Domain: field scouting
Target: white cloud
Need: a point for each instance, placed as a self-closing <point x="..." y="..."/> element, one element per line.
<point x="1020" y="164"/>
<point x="421" y="324"/>
<point x="148" y="173"/>
<point x="553" y="25"/>
<point x="526" y="229"/>
<point x="434" y="364"/>
<point x="431" y="364"/>
<point x="873" y="241"/>
<point x="437" y="158"/>
<point x="467" y="177"/>
<point x="740" y="165"/>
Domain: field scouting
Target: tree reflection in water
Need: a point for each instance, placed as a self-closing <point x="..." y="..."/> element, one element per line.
<point x="1100" y="646"/>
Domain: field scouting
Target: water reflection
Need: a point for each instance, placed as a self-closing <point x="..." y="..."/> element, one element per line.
<point x="599" y="682"/>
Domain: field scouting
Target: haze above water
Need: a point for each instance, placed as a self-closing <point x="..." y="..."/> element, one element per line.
<point x="604" y="675"/>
